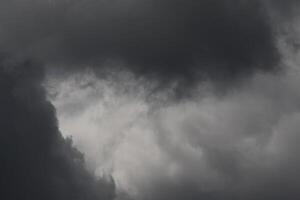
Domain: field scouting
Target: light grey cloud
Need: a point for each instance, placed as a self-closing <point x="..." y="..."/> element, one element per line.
<point x="241" y="145"/>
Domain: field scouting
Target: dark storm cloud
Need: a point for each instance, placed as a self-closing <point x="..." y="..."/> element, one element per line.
<point x="36" y="162"/>
<point x="169" y="40"/>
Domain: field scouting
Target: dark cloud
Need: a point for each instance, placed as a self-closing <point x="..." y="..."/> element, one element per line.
<point x="166" y="41"/>
<point x="169" y="40"/>
<point x="36" y="162"/>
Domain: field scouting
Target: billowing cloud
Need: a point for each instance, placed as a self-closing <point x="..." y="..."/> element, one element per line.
<point x="112" y="69"/>
<point x="241" y="145"/>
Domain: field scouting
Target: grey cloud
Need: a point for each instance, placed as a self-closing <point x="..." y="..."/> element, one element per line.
<point x="238" y="146"/>
<point x="242" y="145"/>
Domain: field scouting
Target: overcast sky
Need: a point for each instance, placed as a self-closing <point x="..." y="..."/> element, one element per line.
<point x="149" y="99"/>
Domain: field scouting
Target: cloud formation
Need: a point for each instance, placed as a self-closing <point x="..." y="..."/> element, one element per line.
<point x="237" y="143"/>
<point x="241" y="145"/>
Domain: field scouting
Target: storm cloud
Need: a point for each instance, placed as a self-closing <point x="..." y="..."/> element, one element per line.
<point x="241" y="145"/>
<point x="169" y="40"/>
<point x="104" y="74"/>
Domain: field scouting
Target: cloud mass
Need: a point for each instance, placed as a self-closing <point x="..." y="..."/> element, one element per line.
<point x="238" y="146"/>
<point x="149" y="99"/>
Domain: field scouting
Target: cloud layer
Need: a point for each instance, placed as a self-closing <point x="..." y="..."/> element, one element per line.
<point x="233" y="135"/>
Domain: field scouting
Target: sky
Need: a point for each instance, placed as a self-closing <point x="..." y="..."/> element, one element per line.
<point x="149" y="99"/>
